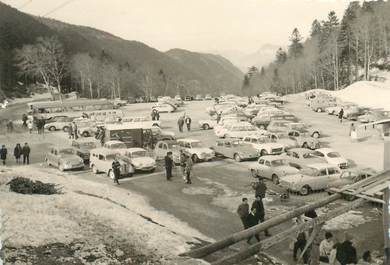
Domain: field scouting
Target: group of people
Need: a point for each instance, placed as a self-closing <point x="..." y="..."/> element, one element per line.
<point x="19" y="153"/>
<point x="73" y="131"/>
<point x="186" y="165"/>
<point x="155" y="115"/>
<point x="184" y="119"/>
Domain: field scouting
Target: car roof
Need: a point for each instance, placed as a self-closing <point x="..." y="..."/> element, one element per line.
<point x="188" y="140"/>
<point x="325" y="150"/>
<point x="85" y="140"/>
<point x="168" y="141"/>
<point x="104" y="151"/>
<point x="134" y="149"/>
<point x="114" y="142"/>
<point x="300" y="150"/>
<point x="61" y="147"/>
<point x="321" y="165"/>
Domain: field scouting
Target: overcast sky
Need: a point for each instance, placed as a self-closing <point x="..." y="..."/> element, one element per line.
<point x="197" y="25"/>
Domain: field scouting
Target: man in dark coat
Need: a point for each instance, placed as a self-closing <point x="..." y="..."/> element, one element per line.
<point x="168" y="165"/>
<point x="243" y="212"/>
<point x="116" y="168"/>
<point x="188" y="123"/>
<point x="24" y="119"/>
<point x="341" y="115"/>
<point x="26" y="153"/>
<point x="251" y="221"/>
<point x="346" y="252"/>
<point x="3" y="154"/>
<point x="260" y="212"/>
<point x="260" y="188"/>
<point x="183" y="159"/>
<point x="180" y="123"/>
<point x="17" y="153"/>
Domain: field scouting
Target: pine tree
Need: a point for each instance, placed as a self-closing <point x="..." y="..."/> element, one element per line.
<point x="295" y="49"/>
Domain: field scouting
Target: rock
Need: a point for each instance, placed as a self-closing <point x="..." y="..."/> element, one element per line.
<point x="119" y="253"/>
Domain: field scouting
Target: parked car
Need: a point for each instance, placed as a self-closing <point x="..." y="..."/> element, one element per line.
<point x="208" y="97"/>
<point x="101" y="162"/>
<point x="301" y="127"/>
<point x="196" y="150"/>
<point x="332" y="157"/>
<point x="140" y="160"/>
<point x="321" y="104"/>
<point x="87" y="127"/>
<point x="60" y="123"/>
<point x="83" y="146"/>
<point x="274" y="168"/>
<point x="141" y="120"/>
<point x="334" y="110"/>
<point x="198" y="97"/>
<point x="237" y="130"/>
<point x="350" y="176"/>
<point x="372" y="116"/>
<point x="237" y="150"/>
<point x="264" y="144"/>
<point x="312" y="178"/>
<point x="64" y="158"/>
<point x="119" y="102"/>
<point x="116" y="146"/>
<point x="163" y="147"/>
<point x="164" y="107"/>
<point x="131" y="100"/>
<point x="301" y="157"/>
<point x="55" y="118"/>
<point x="178" y="97"/>
<point x="263" y="121"/>
<point x="304" y="139"/>
<point x="188" y="98"/>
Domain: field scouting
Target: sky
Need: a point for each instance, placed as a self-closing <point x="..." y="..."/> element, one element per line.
<point x="196" y="25"/>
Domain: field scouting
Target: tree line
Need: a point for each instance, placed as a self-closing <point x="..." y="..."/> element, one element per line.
<point x="334" y="55"/>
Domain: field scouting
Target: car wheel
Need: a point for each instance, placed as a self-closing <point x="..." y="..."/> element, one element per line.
<point x="319" y="110"/>
<point x="254" y="173"/>
<point x="111" y="174"/>
<point x="305" y="190"/>
<point x="195" y="158"/>
<point x="316" y="135"/>
<point x="263" y="153"/>
<point x="156" y="125"/>
<point x="206" y="127"/>
<point x="52" y="128"/>
<point x="237" y="157"/>
<point x="305" y="145"/>
<point x="61" y="167"/>
<point x="85" y="134"/>
<point x="65" y="128"/>
<point x="95" y="170"/>
<point x="275" y="179"/>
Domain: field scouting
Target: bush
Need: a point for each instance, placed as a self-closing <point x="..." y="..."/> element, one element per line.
<point x="27" y="186"/>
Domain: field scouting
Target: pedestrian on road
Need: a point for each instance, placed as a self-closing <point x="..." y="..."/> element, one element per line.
<point x="260" y="212"/>
<point x="116" y="168"/>
<point x="75" y="132"/>
<point x="3" y="154"/>
<point x="30" y="126"/>
<point x="153" y="115"/>
<point x="219" y="116"/>
<point x="10" y="126"/>
<point x="168" y="165"/>
<point x="24" y="119"/>
<point x="346" y="252"/>
<point x="183" y="159"/>
<point x="326" y="247"/>
<point x="341" y="115"/>
<point x="188" y="169"/>
<point x="243" y="212"/>
<point x="251" y="221"/>
<point x="260" y="188"/>
<point x="157" y="115"/>
<point x="17" y="153"/>
<point x="188" y="123"/>
<point x="180" y="123"/>
<point x="70" y="130"/>
<point x="26" y="154"/>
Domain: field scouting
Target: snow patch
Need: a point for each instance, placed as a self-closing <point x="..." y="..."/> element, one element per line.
<point x="347" y="221"/>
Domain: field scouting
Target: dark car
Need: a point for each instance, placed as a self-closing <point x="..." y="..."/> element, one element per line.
<point x="189" y="98"/>
<point x="83" y="146"/>
<point x="131" y="100"/>
<point x="263" y="123"/>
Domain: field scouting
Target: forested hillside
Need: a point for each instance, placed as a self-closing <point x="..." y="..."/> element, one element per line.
<point x="338" y="52"/>
<point x="99" y="64"/>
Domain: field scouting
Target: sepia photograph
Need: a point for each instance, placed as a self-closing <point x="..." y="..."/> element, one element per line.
<point x="194" y="132"/>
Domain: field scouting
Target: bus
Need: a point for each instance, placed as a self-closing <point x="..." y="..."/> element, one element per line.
<point x="72" y="108"/>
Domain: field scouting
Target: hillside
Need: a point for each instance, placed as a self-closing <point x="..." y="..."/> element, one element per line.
<point x="185" y="75"/>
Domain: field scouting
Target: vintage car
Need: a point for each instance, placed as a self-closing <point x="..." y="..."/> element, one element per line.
<point x="332" y="157"/>
<point x="303" y="139"/>
<point x="140" y="159"/>
<point x="274" y="168"/>
<point x="143" y="120"/>
<point x="264" y="144"/>
<point x="198" y="97"/>
<point x="64" y="158"/>
<point x="334" y="110"/>
<point x="60" y="123"/>
<point x="237" y="130"/>
<point x="320" y="104"/>
<point x="263" y="118"/>
<point x="101" y="162"/>
<point x="350" y="176"/>
<point x="164" y="107"/>
<point x="83" y="146"/>
<point x="208" y="97"/>
<point x="279" y="127"/>
<point x="373" y="116"/>
<point x="301" y="157"/>
<point x="119" y="102"/>
<point x="302" y="127"/>
<point x="212" y="124"/>
<point x="235" y="149"/>
<point x="196" y="150"/>
<point x="116" y="146"/>
<point x="86" y="127"/>
<point x="163" y="147"/>
<point x="223" y="108"/>
<point x="314" y="177"/>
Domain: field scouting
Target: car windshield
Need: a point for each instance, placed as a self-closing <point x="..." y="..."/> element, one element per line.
<point x="242" y="128"/>
<point x="67" y="151"/>
<point x="333" y="154"/>
<point x="309" y="155"/>
<point x="264" y="139"/>
<point x="140" y="153"/>
<point x="196" y="144"/>
<point x="236" y="143"/>
<point x="118" y="146"/>
<point x="279" y="162"/>
<point x="310" y="171"/>
<point x="88" y="145"/>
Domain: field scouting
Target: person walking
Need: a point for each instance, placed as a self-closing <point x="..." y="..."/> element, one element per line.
<point x="24" y="120"/>
<point x="157" y="115"/>
<point x="75" y="132"/>
<point x="30" y="126"/>
<point x="17" y="153"/>
<point x="219" y="116"/>
<point x="260" y="188"/>
<point x="3" y="154"/>
<point x="346" y="252"/>
<point x="243" y="212"/>
<point x="26" y="154"/>
<point x="326" y="247"/>
<point x="188" y="169"/>
<point x="70" y="130"/>
<point x="180" y="123"/>
<point x="251" y="221"/>
<point x="260" y="212"/>
<point x="168" y="165"/>
<point x="183" y="159"/>
<point x="116" y="168"/>
<point x="188" y="122"/>
<point x="10" y="126"/>
<point x="153" y="115"/>
<point x="341" y="115"/>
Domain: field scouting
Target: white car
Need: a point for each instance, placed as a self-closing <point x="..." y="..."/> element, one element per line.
<point x="196" y="150"/>
<point x="237" y="130"/>
<point x="140" y="159"/>
<point x="142" y="121"/>
<point x="116" y="146"/>
<point x="312" y="178"/>
<point x="164" y="107"/>
<point x="61" y="123"/>
<point x="64" y="158"/>
<point x="332" y="157"/>
<point x="264" y="145"/>
<point x="101" y="161"/>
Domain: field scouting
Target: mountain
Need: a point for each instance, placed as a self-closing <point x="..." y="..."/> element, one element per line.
<point x="184" y="71"/>
<point x="259" y="58"/>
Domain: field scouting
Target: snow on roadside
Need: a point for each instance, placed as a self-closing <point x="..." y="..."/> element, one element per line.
<point x="347" y="221"/>
<point x="150" y="228"/>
